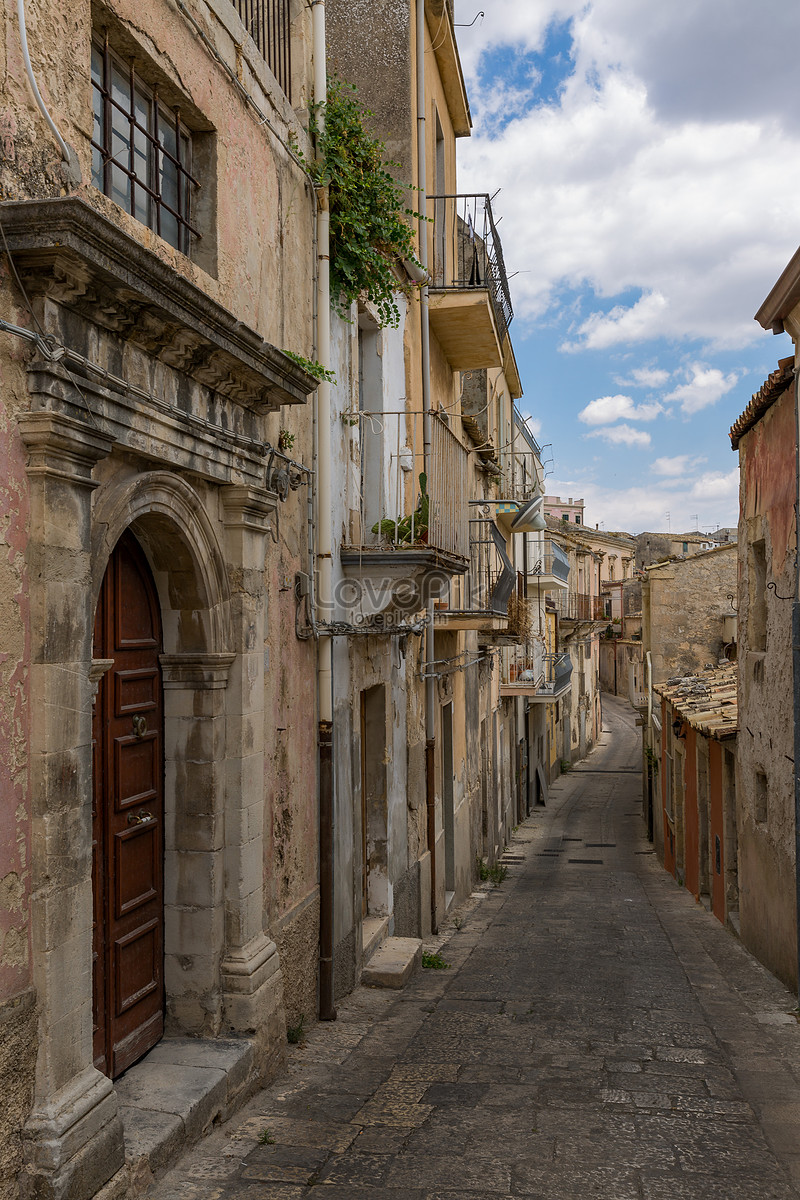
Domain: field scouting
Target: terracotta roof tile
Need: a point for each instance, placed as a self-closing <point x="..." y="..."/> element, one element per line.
<point x="707" y="701"/>
<point x="775" y="386"/>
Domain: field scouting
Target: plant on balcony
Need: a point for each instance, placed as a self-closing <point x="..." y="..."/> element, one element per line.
<point x="370" y="228"/>
<point x="412" y="528"/>
<point x="519" y="617"/>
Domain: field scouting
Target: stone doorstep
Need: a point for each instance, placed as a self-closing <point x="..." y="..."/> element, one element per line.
<point x="393" y="963"/>
<point x="173" y="1096"/>
<point x="373" y="932"/>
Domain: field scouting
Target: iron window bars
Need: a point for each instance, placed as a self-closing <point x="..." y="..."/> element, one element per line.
<point x="269" y="24"/>
<point x="141" y="150"/>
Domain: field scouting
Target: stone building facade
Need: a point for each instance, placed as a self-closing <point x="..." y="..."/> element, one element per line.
<point x="159" y="714"/>
<point x="765" y="437"/>
<point x="688" y="611"/>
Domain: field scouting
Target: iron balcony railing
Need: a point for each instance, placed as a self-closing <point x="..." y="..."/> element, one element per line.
<point x="522" y="428"/>
<point x="269" y="24"/>
<point x="577" y="606"/>
<point x="520" y="473"/>
<point x="548" y="560"/>
<point x="467" y="252"/>
<point x="523" y="666"/>
<point x="557" y="674"/>
<point x="399" y="506"/>
<point x="489" y="584"/>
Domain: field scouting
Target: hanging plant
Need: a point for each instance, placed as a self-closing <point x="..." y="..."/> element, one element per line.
<point x="369" y="215"/>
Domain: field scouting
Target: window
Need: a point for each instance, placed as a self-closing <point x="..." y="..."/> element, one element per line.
<point x="141" y="150"/>
<point x="577" y="518"/>
<point x="269" y="24"/>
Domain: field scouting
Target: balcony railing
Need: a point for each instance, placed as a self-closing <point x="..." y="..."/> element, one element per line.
<point x="399" y="508"/>
<point x="269" y="24"/>
<point x="489" y="584"/>
<point x="557" y="675"/>
<point x="522" y="668"/>
<point x="551" y="563"/>
<point x="467" y="252"/>
<point x="578" y="606"/>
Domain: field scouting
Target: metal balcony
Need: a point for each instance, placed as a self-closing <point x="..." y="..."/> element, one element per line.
<point x="406" y="523"/>
<point x="470" y="300"/>
<point x="549" y="570"/>
<point x="522" y="669"/>
<point x="480" y="598"/>
<point x="578" y="607"/>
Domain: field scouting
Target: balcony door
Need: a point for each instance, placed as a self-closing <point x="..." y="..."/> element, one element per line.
<point x="128" y="816"/>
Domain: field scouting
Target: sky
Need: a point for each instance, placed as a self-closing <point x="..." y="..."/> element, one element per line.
<point x="646" y="160"/>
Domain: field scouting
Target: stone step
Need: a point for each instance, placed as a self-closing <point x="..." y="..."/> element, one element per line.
<point x="393" y="963"/>
<point x="176" y="1093"/>
<point x="373" y="932"/>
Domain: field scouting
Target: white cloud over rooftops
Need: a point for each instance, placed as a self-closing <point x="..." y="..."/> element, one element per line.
<point x="607" y="409"/>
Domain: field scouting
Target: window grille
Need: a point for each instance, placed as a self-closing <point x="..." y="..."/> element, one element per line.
<point x="269" y="24"/>
<point x="141" y="150"/>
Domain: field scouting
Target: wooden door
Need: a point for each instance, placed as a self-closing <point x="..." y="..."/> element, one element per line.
<point x="128" y="816"/>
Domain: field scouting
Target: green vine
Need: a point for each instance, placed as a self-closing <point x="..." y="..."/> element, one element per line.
<point x="311" y="367"/>
<point x="370" y="227"/>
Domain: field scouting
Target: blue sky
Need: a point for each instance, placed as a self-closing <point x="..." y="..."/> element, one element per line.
<point x="648" y="161"/>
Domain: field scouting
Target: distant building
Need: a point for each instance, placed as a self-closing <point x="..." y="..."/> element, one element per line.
<point x="657" y="547"/>
<point x="564" y="510"/>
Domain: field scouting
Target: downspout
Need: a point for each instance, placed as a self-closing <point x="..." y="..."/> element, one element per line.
<point x="796" y="666"/>
<point x="327" y="1010"/>
<point x="427" y="433"/>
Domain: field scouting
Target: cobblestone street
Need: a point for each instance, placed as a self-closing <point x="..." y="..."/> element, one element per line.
<point x="596" y="1034"/>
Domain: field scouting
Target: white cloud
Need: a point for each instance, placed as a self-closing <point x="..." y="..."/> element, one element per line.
<point x="649" y="377"/>
<point x="717" y="485"/>
<point x="632" y="180"/>
<point x="638" y="507"/>
<point x="705" y="386"/>
<point x="677" y="465"/>
<point x="641" y="322"/>
<point x="607" y="409"/>
<point x="622" y="435"/>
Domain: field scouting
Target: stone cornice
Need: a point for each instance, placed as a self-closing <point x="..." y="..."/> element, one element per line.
<point x="67" y="250"/>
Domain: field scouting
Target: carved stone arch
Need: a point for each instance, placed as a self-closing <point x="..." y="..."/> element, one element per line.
<point x="169" y="520"/>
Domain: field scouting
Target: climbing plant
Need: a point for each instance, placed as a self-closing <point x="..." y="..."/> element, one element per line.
<point x="370" y="227"/>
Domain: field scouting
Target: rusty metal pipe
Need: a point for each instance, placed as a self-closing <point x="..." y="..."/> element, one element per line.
<point x="430" y="799"/>
<point x="327" y="1008"/>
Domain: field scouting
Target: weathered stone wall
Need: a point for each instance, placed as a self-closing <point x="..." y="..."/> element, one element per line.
<point x="683" y="604"/>
<point x="764" y="746"/>
<point x="18" y="1044"/>
<point x="376" y="34"/>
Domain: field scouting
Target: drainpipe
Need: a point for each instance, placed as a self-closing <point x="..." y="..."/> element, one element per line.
<point x="327" y="1010"/>
<point x="796" y="666"/>
<point x="427" y="433"/>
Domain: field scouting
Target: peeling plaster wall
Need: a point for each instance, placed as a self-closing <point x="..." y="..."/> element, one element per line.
<point x="765" y="741"/>
<point x="250" y="271"/>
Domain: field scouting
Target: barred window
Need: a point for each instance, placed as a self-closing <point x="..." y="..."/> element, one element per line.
<point x="141" y="150"/>
<point x="269" y="24"/>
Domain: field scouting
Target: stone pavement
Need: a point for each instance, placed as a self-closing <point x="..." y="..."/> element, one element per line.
<point x="597" y="1034"/>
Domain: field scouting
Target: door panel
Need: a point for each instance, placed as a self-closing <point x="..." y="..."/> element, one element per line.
<point x="129" y="998"/>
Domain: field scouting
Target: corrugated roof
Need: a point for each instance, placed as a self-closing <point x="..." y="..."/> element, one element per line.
<point x="707" y="701"/>
<point x="773" y="387"/>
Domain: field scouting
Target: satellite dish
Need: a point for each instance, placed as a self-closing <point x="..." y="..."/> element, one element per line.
<point x="530" y="518"/>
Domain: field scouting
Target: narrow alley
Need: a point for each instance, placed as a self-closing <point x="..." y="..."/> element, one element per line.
<point x="597" y="1033"/>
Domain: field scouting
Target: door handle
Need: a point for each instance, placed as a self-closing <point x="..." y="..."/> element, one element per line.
<point x="139" y="725"/>
<point x="140" y="818"/>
